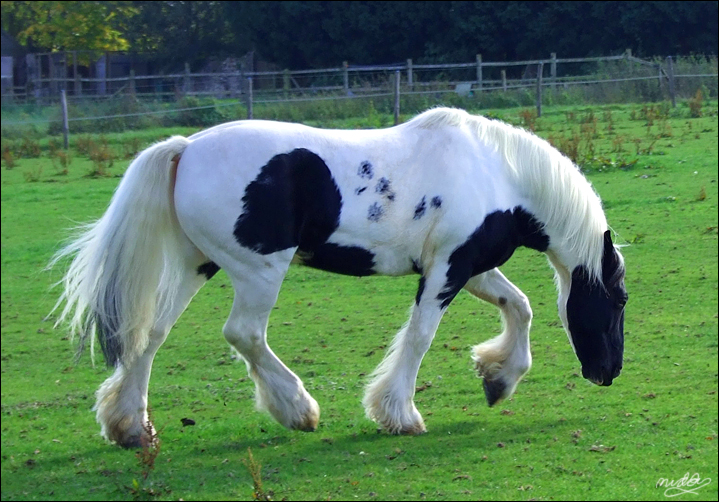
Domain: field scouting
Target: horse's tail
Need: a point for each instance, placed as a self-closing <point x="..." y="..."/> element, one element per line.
<point x="126" y="267"/>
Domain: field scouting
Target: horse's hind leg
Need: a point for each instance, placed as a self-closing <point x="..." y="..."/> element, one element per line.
<point x="122" y="399"/>
<point x="505" y="359"/>
<point x="277" y="389"/>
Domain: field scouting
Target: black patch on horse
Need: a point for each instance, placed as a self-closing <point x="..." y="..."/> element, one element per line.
<point x="295" y="202"/>
<point x="420" y="209"/>
<point x="346" y="260"/>
<point x="375" y="212"/>
<point x="420" y="290"/>
<point x="365" y="170"/>
<point x="490" y="245"/>
<point x="360" y="190"/>
<point x="209" y="269"/>
<point x="416" y="267"/>
<point x="384" y="188"/>
<point x="436" y="202"/>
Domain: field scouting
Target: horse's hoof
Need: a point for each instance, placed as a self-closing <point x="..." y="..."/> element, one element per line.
<point x="493" y="390"/>
<point x="308" y="424"/>
<point x="306" y="427"/>
<point x="415" y="430"/>
<point x="133" y="442"/>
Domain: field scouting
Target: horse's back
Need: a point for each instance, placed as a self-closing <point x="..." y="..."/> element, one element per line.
<point x="391" y="192"/>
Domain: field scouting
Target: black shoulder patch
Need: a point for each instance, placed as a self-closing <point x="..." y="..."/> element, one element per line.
<point x="530" y="230"/>
<point x="490" y="245"/>
<point x="209" y="269"/>
<point x="294" y="201"/>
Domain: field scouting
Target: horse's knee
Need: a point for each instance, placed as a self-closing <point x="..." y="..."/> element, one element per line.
<point x="522" y="309"/>
<point x="242" y="336"/>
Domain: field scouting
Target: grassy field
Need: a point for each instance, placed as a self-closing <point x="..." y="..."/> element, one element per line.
<point x="559" y="437"/>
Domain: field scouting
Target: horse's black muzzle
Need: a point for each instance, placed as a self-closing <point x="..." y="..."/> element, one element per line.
<point x="601" y="376"/>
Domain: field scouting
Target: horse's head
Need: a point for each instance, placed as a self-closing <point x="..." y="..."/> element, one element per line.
<point x="594" y="317"/>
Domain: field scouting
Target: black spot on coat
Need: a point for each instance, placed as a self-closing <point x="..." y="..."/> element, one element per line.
<point x="420" y="209"/>
<point x="365" y="170"/>
<point x="209" y="269"/>
<point x="436" y="202"/>
<point x="374" y="213"/>
<point x="383" y="186"/>
<point x="420" y="290"/>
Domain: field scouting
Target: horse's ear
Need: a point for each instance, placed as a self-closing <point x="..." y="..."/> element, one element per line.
<point x="608" y="238"/>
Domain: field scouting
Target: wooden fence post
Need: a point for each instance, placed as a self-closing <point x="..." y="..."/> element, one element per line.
<point x="186" y="80"/>
<point x="670" y="73"/>
<point x="286" y="82"/>
<point x="78" y="84"/>
<point x="346" y="77"/>
<point x="107" y="72"/>
<point x="396" y="96"/>
<point x="65" y="122"/>
<point x="410" y="77"/>
<point x="540" y="70"/>
<point x="51" y="75"/>
<point x="553" y="72"/>
<point x="479" y="72"/>
<point x="250" y="114"/>
<point x="132" y="83"/>
<point x="504" y="80"/>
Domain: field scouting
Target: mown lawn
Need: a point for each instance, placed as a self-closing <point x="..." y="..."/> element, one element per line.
<point x="559" y="437"/>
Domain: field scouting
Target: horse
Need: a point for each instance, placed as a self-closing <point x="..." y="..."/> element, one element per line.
<point x="446" y="195"/>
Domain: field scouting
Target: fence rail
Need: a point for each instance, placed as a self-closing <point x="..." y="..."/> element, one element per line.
<point x="350" y="82"/>
<point x="59" y="71"/>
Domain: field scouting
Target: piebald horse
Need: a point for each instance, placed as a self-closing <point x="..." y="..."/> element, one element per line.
<point x="447" y="195"/>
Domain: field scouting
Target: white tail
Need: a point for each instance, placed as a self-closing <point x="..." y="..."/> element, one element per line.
<point x="126" y="266"/>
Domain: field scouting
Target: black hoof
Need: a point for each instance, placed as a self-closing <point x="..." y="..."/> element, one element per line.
<point x="493" y="390"/>
<point x="133" y="443"/>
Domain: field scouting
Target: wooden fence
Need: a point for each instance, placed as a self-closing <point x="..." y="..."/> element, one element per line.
<point x="62" y="73"/>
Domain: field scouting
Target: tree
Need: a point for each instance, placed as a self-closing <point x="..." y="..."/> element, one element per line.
<point x="67" y="26"/>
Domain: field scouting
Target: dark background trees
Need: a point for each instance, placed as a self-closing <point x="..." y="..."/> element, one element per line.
<point x="301" y="34"/>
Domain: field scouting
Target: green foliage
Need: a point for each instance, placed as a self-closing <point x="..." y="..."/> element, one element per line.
<point x="559" y="437"/>
<point x="301" y="35"/>
<point x="65" y="26"/>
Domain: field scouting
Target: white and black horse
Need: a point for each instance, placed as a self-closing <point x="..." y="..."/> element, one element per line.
<point x="447" y="195"/>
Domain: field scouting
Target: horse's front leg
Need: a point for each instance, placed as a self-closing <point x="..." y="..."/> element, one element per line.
<point x="505" y="359"/>
<point x="389" y="397"/>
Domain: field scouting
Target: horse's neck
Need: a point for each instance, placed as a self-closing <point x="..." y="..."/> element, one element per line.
<point x="571" y="214"/>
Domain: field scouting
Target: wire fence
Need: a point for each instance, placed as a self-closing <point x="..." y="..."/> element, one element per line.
<point x="391" y="87"/>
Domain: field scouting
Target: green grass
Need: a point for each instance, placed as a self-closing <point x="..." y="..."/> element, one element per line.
<point x="559" y="437"/>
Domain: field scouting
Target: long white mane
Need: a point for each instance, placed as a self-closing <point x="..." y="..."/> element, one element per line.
<point x="564" y="201"/>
